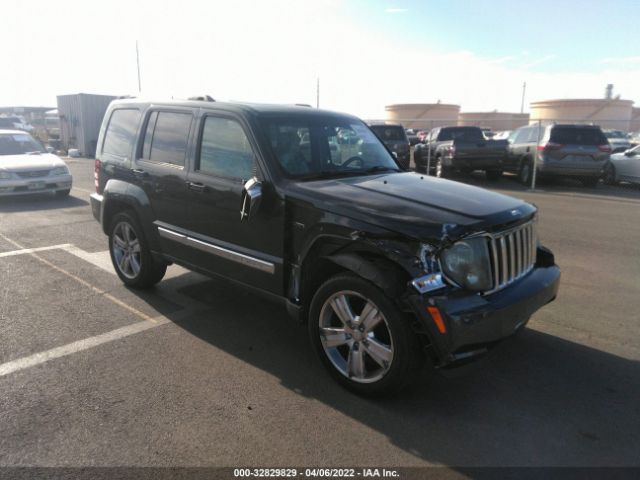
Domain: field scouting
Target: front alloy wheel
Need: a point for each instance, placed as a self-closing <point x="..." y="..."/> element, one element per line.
<point x="361" y="336"/>
<point x="355" y="337"/>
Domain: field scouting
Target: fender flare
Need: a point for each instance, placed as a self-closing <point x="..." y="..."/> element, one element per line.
<point x="118" y="195"/>
<point x="385" y="278"/>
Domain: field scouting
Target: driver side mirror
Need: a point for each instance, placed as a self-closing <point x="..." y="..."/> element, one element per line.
<point x="630" y="153"/>
<point x="251" y="198"/>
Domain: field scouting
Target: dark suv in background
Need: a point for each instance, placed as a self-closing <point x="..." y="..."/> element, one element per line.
<point x="388" y="268"/>
<point x="396" y="140"/>
<point x="574" y="151"/>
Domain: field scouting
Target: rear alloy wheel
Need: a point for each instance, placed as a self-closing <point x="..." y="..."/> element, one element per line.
<point x="361" y="337"/>
<point x="130" y="254"/>
<point x="493" y="175"/>
<point x="525" y="173"/>
<point x="609" y="177"/>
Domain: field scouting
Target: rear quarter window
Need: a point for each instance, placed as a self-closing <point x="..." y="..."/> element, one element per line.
<point x="167" y="137"/>
<point x="120" y="133"/>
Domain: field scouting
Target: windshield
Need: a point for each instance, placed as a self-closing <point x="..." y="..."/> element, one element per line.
<point x="318" y="147"/>
<point x="18" y="144"/>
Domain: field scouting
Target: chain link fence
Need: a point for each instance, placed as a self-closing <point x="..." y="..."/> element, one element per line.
<point x="596" y="152"/>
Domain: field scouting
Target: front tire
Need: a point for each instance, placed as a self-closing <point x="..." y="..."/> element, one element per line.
<point x="130" y="254"/>
<point x="609" y="177"/>
<point x="63" y="193"/>
<point x="361" y="337"/>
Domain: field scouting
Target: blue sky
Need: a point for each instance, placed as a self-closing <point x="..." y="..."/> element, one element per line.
<point x="569" y="35"/>
<point x="367" y="53"/>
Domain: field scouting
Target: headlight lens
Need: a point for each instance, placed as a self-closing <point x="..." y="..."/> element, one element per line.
<point x="60" y="171"/>
<point x="5" y="175"/>
<point x="467" y="263"/>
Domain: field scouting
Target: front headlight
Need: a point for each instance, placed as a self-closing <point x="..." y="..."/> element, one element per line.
<point x="5" y="175"/>
<point x="60" y="171"/>
<point x="467" y="263"/>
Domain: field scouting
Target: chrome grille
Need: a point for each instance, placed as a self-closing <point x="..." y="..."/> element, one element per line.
<point x="33" y="174"/>
<point x="513" y="254"/>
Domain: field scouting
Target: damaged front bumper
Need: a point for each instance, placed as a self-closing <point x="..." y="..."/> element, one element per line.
<point x="469" y="324"/>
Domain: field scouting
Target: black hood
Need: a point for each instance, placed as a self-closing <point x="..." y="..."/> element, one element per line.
<point x="416" y="205"/>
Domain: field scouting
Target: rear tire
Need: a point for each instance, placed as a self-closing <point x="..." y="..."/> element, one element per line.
<point x="379" y="356"/>
<point x="130" y="254"/>
<point x="525" y="173"/>
<point x="442" y="171"/>
<point x="63" y="193"/>
<point x="493" y="175"/>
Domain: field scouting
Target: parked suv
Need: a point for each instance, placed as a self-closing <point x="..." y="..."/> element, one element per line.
<point x="576" y="151"/>
<point x="388" y="268"/>
<point x="396" y="140"/>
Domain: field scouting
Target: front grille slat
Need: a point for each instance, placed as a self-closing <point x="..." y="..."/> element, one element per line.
<point x="33" y="174"/>
<point x="512" y="254"/>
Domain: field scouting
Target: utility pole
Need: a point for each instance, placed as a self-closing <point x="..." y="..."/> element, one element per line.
<point x="318" y="92"/>
<point x="138" y="63"/>
<point x="524" y="89"/>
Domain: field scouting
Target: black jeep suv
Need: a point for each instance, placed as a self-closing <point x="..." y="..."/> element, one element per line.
<point x="388" y="268"/>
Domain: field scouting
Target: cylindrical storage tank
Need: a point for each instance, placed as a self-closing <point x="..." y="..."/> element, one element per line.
<point x="496" y="121"/>
<point x="423" y="116"/>
<point x="607" y="113"/>
<point x="635" y="120"/>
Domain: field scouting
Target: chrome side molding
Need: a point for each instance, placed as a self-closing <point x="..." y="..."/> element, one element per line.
<point x="218" y="251"/>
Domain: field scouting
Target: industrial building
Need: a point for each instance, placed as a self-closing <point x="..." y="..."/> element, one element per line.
<point x="80" y="120"/>
<point x="611" y="113"/>
<point x="495" y="120"/>
<point x="422" y="116"/>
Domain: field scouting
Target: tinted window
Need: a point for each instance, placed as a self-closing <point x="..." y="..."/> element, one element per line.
<point x="166" y="137"/>
<point x="389" y="133"/>
<point x="121" y="132"/>
<point x="317" y="146"/>
<point x="225" y="150"/>
<point x="578" y="136"/>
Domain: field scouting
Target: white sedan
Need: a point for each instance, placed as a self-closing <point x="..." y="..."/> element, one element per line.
<point x="26" y="167"/>
<point x="624" y="167"/>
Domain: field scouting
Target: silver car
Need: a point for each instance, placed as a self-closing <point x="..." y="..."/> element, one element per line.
<point x="27" y="168"/>
<point x="624" y="167"/>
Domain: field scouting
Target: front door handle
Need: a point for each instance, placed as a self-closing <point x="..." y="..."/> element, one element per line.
<point x="138" y="172"/>
<point x="196" y="186"/>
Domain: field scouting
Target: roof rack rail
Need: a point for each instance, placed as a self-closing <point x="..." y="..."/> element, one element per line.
<point x="202" y="98"/>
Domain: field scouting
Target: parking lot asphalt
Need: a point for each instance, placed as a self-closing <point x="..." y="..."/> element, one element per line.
<point x="199" y="373"/>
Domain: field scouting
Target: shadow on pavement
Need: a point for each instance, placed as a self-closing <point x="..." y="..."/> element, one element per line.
<point x="536" y="400"/>
<point x="39" y="202"/>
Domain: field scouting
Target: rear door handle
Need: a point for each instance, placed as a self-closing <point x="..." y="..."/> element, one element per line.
<point x="196" y="186"/>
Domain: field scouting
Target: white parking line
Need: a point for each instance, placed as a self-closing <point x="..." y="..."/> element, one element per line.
<point x="74" y="347"/>
<point x="82" y="190"/>
<point x="32" y="250"/>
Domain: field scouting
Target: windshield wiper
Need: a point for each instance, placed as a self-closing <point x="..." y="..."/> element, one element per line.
<point x="380" y="168"/>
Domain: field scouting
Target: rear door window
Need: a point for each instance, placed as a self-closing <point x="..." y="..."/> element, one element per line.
<point x="166" y="138"/>
<point x="578" y="136"/>
<point x="121" y="132"/>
